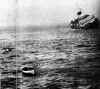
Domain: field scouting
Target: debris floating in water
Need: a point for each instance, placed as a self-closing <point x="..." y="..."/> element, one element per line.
<point x="27" y="70"/>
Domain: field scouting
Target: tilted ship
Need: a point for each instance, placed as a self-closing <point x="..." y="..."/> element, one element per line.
<point x="84" y="21"/>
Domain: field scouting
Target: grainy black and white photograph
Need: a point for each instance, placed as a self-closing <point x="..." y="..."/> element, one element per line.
<point x="49" y="44"/>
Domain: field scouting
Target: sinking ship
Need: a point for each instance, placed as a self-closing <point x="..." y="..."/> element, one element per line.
<point x="84" y="21"/>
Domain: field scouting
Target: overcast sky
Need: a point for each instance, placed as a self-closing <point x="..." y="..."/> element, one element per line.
<point x="42" y="12"/>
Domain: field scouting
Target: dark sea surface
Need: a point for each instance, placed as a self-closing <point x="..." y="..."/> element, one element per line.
<point x="62" y="58"/>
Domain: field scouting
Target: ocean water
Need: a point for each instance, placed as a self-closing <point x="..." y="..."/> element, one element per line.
<point x="62" y="58"/>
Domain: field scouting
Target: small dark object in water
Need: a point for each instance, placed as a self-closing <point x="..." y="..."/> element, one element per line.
<point x="6" y="50"/>
<point x="79" y="13"/>
<point x="28" y="71"/>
